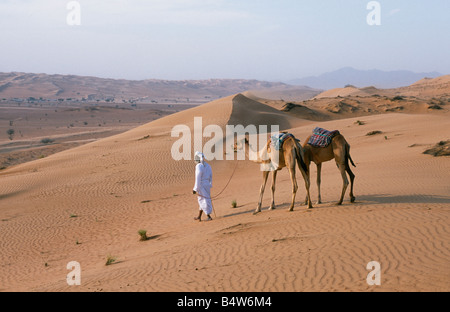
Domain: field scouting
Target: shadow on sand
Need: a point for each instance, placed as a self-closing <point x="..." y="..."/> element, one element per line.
<point x="12" y="194"/>
<point x="360" y="200"/>
<point x="404" y="199"/>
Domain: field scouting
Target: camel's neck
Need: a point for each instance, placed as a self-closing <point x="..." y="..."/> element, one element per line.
<point x="255" y="156"/>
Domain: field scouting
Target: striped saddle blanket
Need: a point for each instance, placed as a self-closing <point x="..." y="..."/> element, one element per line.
<point x="322" y="137"/>
<point x="277" y="140"/>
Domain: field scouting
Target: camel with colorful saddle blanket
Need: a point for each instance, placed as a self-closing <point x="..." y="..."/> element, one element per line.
<point x="324" y="145"/>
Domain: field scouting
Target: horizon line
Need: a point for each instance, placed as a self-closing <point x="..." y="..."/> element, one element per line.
<point x="284" y="81"/>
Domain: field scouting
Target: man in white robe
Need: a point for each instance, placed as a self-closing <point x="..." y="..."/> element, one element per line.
<point x="203" y="185"/>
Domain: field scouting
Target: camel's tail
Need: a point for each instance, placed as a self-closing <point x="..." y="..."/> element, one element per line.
<point x="300" y="157"/>
<point x="347" y="153"/>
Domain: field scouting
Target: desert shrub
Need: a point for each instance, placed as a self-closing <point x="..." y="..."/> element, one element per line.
<point x="434" y="106"/>
<point x="144" y="138"/>
<point x="47" y="141"/>
<point x="143" y="235"/>
<point x="110" y="260"/>
<point x="440" y="149"/>
<point x="10" y="133"/>
<point x="288" y="106"/>
<point x="374" y="132"/>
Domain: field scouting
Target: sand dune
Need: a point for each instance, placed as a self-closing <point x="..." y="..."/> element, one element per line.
<point x="337" y="92"/>
<point x="89" y="202"/>
<point x="425" y="88"/>
<point x="250" y="112"/>
<point x="428" y="96"/>
<point x="287" y="93"/>
<point x="42" y="130"/>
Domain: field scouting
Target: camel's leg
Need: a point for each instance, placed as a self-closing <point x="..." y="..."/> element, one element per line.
<point x="352" y="178"/>
<point x="294" y="186"/>
<point x="344" y="181"/>
<point x="307" y="184"/>
<point x="274" y="178"/>
<point x="261" y="191"/>
<point x="319" y="173"/>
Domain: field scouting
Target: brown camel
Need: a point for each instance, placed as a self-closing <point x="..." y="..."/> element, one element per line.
<point x="339" y="150"/>
<point x="290" y="152"/>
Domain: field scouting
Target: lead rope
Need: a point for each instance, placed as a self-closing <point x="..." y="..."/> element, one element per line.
<point x="229" y="180"/>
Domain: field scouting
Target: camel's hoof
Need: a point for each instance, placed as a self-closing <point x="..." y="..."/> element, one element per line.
<point x="272" y="208"/>
<point x="256" y="212"/>
<point x="318" y="203"/>
<point x="352" y="199"/>
<point x="338" y="204"/>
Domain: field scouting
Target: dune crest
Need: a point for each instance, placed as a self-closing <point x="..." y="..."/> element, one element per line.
<point x="250" y="112"/>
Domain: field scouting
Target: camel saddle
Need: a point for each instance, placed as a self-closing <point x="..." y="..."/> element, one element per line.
<point x="322" y="137"/>
<point x="278" y="140"/>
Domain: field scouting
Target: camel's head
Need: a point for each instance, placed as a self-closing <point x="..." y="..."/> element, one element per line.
<point x="240" y="144"/>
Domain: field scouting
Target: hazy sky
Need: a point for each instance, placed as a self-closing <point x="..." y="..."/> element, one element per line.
<point x="201" y="39"/>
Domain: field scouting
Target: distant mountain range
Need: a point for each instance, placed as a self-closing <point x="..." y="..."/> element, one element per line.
<point x="29" y="85"/>
<point x="362" y="78"/>
<point x="57" y="87"/>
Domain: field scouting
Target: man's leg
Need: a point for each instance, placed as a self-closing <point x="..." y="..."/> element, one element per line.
<point x="199" y="218"/>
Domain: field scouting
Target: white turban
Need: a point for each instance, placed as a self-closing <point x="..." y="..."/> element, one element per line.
<point x="199" y="157"/>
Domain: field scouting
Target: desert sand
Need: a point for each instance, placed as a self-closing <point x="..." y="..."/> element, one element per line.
<point x="46" y="128"/>
<point x="89" y="202"/>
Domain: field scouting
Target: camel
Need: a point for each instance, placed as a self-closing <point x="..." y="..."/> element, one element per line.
<point x="339" y="150"/>
<point x="290" y="152"/>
